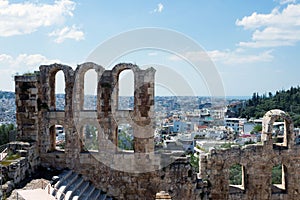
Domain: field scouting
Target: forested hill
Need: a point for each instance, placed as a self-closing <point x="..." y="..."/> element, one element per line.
<point x="286" y="100"/>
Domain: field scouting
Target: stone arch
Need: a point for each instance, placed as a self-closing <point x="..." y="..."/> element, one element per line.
<point x="79" y="82"/>
<point x="48" y="73"/>
<point x="116" y="71"/>
<point x="141" y="118"/>
<point x="268" y="121"/>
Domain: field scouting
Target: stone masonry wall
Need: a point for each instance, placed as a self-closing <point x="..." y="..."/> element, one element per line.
<point x="121" y="174"/>
<point x="15" y="171"/>
<point x="257" y="161"/>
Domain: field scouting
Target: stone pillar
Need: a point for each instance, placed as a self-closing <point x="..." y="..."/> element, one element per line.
<point x="26" y="89"/>
<point x="144" y="111"/>
<point x="104" y="114"/>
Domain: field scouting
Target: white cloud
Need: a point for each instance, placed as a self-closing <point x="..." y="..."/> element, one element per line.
<point x="226" y="57"/>
<point x="158" y="9"/>
<point x="287" y="1"/>
<point x="23" y="62"/>
<point x="237" y="57"/>
<point x="279" y="28"/>
<point x="10" y="65"/>
<point x="27" y="17"/>
<point x="67" y="33"/>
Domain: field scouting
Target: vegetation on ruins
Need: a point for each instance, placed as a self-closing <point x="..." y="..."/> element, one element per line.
<point x="287" y="100"/>
<point x="9" y="159"/>
<point x="4" y="132"/>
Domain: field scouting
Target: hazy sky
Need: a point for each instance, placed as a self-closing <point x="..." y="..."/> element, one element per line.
<point x="254" y="44"/>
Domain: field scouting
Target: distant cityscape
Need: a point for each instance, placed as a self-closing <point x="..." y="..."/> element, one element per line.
<point x="182" y="122"/>
<point x="177" y="118"/>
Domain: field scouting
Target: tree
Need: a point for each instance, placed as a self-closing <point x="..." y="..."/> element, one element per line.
<point x="4" y="132"/>
<point x="288" y="101"/>
<point x="257" y="128"/>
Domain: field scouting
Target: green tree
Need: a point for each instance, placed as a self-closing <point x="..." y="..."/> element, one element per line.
<point x="4" y="132"/>
<point x="257" y="128"/>
<point x="288" y="101"/>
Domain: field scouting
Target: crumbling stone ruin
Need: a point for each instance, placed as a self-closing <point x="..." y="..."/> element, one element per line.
<point x="256" y="161"/>
<point x="143" y="173"/>
<point x="124" y="175"/>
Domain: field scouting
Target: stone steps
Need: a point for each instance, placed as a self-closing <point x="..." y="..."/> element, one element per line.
<point x="72" y="186"/>
<point x="95" y="194"/>
<point x="61" y="191"/>
<point x="77" y="193"/>
<point x="62" y="177"/>
<point x="87" y="193"/>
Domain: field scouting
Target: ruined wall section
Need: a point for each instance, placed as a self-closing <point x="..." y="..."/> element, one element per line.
<point x="177" y="179"/>
<point x="257" y="161"/>
<point x="26" y="88"/>
<point x="140" y="118"/>
<point x="15" y="171"/>
<point x="101" y="167"/>
<point x="51" y="116"/>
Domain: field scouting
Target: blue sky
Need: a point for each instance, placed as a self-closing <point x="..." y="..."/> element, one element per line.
<point x="254" y="44"/>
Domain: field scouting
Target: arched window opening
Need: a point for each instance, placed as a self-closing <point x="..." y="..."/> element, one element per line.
<point x="89" y="138"/>
<point x="278" y="178"/>
<point x="279" y="135"/>
<point x="125" y="137"/>
<point x="57" y="138"/>
<point x="90" y="90"/>
<point x="236" y="176"/>
<point x="126" y="90"/>
<point x="60" y="91"/>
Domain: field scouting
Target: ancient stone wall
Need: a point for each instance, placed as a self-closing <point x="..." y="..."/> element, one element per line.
<point x="15" y="170"/>
<point x="138" y="174"/>
<point x="26" y="88"/>
<point x="257" y="161"/>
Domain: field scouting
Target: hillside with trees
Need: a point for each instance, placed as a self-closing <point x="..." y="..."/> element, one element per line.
<point x="286" y="100"/>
